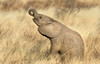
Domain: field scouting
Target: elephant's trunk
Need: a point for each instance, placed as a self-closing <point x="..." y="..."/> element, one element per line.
<point x="33" y="12"/>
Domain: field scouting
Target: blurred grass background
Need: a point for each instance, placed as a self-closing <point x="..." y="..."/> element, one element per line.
<point x="20" y="42"/>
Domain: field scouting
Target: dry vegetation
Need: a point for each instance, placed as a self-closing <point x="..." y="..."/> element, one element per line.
<point x="20" y="42"/>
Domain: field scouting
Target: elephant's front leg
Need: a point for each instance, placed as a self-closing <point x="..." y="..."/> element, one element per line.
<point x="54" y="51"/>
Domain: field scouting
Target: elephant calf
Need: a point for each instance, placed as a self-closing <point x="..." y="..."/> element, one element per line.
<point x="64" y="41"/>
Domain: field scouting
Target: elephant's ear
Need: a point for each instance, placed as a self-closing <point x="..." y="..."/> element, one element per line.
<point x="50" y="30"/>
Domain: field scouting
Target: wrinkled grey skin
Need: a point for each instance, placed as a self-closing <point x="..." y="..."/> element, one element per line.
<point x="64" y="41"/>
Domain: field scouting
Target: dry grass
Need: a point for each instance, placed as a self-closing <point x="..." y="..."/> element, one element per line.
<point x="20" y="42"/>
<point x="45" y="4"/>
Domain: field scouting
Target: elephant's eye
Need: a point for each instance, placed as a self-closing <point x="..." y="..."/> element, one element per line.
<point x="40" y="17"/>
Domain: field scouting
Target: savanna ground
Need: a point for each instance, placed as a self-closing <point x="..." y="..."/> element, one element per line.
<point x="20" y="42"/>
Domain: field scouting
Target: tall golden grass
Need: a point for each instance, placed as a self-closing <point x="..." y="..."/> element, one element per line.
<point x="45" y="4"/>
<point x="20" y="42"/>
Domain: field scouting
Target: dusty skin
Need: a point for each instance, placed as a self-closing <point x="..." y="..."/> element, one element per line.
<point x="64" y="41"/>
